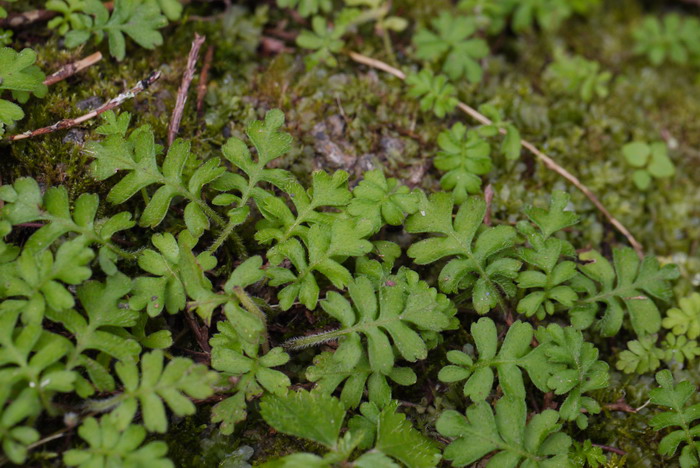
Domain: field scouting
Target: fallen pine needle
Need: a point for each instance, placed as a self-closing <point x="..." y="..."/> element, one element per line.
<point x="111" y="104"/>
<point x="548" y="162"/>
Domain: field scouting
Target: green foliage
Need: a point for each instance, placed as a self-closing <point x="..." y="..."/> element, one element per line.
<point x="641" y="356"/>
<point x="586" y="454"/>
<point x="627" y="285"/>
<point x="306" y="7"/>
<point x="650" y="160"/>
<point x="252" y="373"/>
<point x="452" y="42"/>
<point x="382" y="201"/>
<point x="434" y="92"/>
<point x="515" y="353"/>
<point x="404" y="308"/>
<point x="478" y="264"/>
<point x="673" y="38"/>
<point x="324" y="40"/>
<point x="21" y="77"/>
<point x="16" y="436"/>
<point x="138" y="19"/>
<point x="575" y="370"/>
<point x="547" y="14"/>
<point x="319" y="418"/>
<point x="111" y="446"/>
<point x="538" y="443"/>
<point x="138" y="156"/>
<point x="547" y="277"/>
<point x="158" y="385"/>
<point x="464" y="157"/>
<point x="680" y="416"/>
<point x="685" y="319"/>
<point x="393" y="311"/>
<point x="577" y="76"/>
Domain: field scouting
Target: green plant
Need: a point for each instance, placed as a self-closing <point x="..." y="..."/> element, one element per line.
<point x="628" y="285"/>
<point x="577" y="76"/>
<point x="110" y="446"/>
<point x="539" y="443"/>
<point x="434" y="92"/>
<point x="137" y="19"/>
<point x="319" y="418"/>
<point x="464" y="156"/>
<point x="672" y="38"/>
<point x="306" y="7"/>
<point x="478" y="264"/>
<point x="452" y="42"/>
<point x="650" y="160"/>
<point x="324" y="40"/>
<point x="680" y="415"/>
<point x="22" y="78"/>
<point x="515" y="353"/>
<point x="685" y="319"/>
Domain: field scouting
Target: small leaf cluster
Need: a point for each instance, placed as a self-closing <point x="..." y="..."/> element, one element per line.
<point x="650" y="161"/>
<point x="577" y="76"/>
<point x="21" y="77"/>
<point x="450" y="41"/>
<point x="672" y="38"/>
<point x="382" y="437"/>
<point x="139" y="20"/>
<point x="680" y="416"/>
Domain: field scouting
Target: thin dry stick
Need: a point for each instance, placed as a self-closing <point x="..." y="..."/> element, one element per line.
<point x="112" y="104"/>
<point x="71" y="69"/>
<point x="548" y="162"/>
<point x="19" y="20"/>
<point x="203" y="79"/>
<point x="176" y="118"/>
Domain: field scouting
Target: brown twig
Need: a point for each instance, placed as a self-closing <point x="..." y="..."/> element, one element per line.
<point x="72" y="68"/>
<point x="19" y="20"/>
<point x="203" y="79"/>
<point x="607" y="448"/>
<point x="548" y="162"/>
<point x="176" y="118"/>
<point x="112" y="104"/>
<point x="201" y="332"/>
<point x="488" y="198"/>
<point x="621" y="405"/>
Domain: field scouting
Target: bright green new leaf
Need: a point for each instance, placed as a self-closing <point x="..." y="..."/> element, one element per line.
<point x="464" y="157"/>
<point x="324" y="40"/>
<point x="452" y="40"/>
<point x="684" y="319"/>
<point x="381" y="200"/>
<point x="641" y="356"/>
<point x="434" y="92"/>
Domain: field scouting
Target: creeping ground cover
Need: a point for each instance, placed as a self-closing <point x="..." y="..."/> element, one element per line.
<point x="350" y="233"/>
